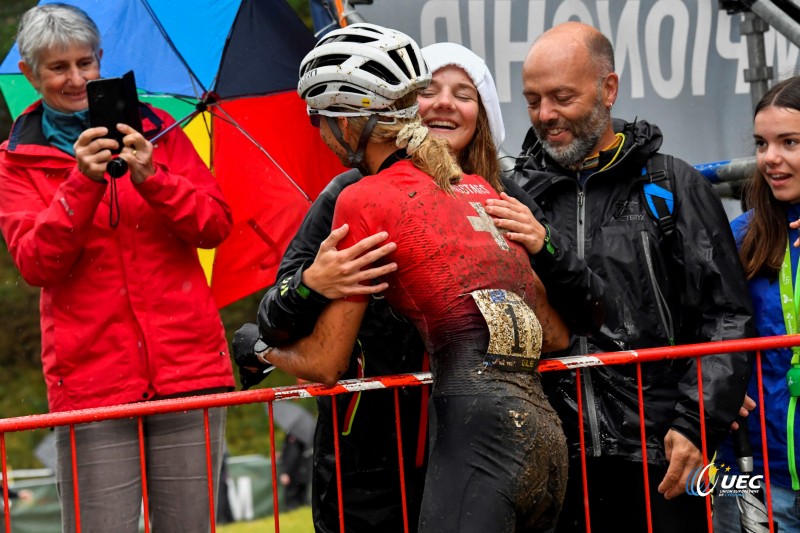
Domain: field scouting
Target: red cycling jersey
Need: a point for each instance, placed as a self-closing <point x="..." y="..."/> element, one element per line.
<point x="447" y="248"/>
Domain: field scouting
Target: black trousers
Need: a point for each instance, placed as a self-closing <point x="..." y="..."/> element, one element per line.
<point x="497" y="465"/>
<point x="617" y="500"/>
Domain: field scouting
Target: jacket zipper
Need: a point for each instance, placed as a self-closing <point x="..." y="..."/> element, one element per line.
<point x="661" y="303"/>
<point x="594" y="427"/>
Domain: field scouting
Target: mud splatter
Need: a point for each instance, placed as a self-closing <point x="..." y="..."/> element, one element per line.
<point x="517" y="417"/>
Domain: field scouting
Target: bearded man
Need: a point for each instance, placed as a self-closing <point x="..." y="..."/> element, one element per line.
<point x="674" y="279"/>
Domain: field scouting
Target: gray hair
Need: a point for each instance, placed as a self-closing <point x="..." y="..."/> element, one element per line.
<point x="601" y="53"/>
<point x="54" y="25"/>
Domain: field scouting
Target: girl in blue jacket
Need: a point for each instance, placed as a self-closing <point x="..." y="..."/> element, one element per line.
<point x="769" y="249"/>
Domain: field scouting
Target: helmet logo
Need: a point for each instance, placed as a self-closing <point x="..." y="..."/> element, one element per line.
<point x="366" y="102"/>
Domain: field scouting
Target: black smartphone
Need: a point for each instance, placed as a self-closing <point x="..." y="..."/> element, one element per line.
<point x="113" y="101"/>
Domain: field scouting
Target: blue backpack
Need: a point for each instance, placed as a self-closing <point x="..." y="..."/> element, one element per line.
<point x="658" y="196"/>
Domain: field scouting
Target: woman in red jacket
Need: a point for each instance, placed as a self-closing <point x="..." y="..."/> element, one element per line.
<point x="126" y="312"/>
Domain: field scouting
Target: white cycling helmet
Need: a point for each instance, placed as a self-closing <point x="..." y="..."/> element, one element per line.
<point x="360" y="70"/>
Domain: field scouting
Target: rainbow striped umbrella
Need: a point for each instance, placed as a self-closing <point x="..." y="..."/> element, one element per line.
<point x="229" y="69"/>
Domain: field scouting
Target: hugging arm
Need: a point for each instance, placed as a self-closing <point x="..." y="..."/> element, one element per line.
<point x="313" y="271"/>
<point x="290" y="308"/>
<point x="324" y="355"/>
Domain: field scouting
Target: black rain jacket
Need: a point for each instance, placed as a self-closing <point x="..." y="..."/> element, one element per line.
<point x="660" y="290"/>
<point x="388" y="344"/>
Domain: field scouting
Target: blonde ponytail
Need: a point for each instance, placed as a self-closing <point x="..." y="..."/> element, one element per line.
<point x="429" y="154"/>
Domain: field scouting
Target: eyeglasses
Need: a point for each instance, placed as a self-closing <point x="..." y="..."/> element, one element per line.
<point x="315" y="120"/>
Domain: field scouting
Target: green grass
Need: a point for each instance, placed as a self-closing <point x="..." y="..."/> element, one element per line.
<point x="297" y="521"/>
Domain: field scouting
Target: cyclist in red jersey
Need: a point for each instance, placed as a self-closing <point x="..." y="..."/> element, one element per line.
<point x="498" y="455"/>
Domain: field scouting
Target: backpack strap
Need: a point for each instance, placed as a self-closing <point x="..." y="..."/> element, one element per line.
<point x="659" y="199"/>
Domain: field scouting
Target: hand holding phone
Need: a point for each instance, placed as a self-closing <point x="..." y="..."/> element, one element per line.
<point x="113" y="101"/>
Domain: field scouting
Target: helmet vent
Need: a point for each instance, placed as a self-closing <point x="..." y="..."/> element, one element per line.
<point x="350" y="89"/>
<point x="327" y="61"/>
<point x="319" y="89"/>
<point x="400" y="63"/>
<point x="414" y="62"/>
<point x="362" y="38"/>
<point x="380" y="71"/>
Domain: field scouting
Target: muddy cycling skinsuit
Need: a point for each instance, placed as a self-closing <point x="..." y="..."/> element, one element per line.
<point x="498" y="455"/>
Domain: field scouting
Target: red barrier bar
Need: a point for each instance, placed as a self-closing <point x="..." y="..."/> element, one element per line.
<point x="582" y="441"/>
<point x="354" y="385"/>
<point x="338" y="463"/>
<point x="762" y="415"/>
<point x="225" y="399"/>
<point x="400" y="463"/>
<point x="643" y="437"/>
<point x="274" y="468"/>
<point x="71" y="418"/>
<point x="668" y="352"/>
<point x="143" y="470"/>
<point x="6" y="506"/>
<point x="209" y="474"/>
<point x="75" y="495"/>
<point x="703" y="444"/>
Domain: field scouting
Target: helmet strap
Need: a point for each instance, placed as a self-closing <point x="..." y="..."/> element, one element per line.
<point x="354" y="159"/>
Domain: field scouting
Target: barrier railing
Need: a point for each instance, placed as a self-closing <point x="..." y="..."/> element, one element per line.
<point x="268" y="396"/>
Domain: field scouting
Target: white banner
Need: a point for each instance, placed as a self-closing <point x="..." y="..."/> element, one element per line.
<point x="680" y="62"/>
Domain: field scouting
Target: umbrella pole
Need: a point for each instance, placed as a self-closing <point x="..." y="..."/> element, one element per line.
<point x="340" y="13"/>
<point x="176" y="124"/>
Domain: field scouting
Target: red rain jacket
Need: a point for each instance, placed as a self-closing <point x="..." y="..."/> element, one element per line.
<point x="126" y="311"/>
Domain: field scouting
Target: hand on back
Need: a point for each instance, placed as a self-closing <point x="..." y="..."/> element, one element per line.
<point x="338" y="273"/>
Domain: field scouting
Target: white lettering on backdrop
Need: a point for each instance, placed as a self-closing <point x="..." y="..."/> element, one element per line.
<point x="669" y="57"/>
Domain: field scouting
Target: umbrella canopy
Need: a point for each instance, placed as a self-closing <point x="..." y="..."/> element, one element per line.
<point x="296" y="420"/>
<point x="231" y="68"/>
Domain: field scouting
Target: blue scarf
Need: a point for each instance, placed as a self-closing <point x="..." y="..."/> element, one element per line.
<point x="62" y="129"/>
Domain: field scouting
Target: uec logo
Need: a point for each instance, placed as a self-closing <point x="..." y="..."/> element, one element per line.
<point x="698" y="484"/>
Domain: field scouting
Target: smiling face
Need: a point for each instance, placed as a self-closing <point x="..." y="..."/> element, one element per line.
<point x="776" y="131"/>
<point x="568" y="101"/>
<point x="62" y="74"/>
<point x="449" y="107"/>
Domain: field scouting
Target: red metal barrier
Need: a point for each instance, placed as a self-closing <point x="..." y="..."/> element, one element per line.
<point x="139" y="410"/>
<point x="762" y="415"/>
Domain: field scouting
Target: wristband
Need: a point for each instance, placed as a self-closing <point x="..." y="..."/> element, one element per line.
<point x="547" y="244"/>
<point x="261" y="349"/>
<point x="303" y="291"/>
